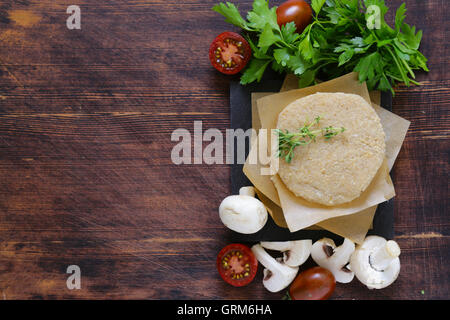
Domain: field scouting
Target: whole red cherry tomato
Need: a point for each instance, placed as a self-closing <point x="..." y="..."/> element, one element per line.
<point x="316" y="283"/>
<point x="237" y="264"/>
<point x="229" y="52"/>
<point x="297" y="11"/>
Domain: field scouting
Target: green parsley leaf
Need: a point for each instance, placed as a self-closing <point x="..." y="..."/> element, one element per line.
<point x="262" y="15"/>
<point x="420" y="61"/>
<point x="307" y="78"/>
<point x="410" y="37"/>
<point x="267" y="37"/>
<point x="384" y="84"/>
<point x="305" y="48"/>
<point x="400" y="17"/>
<point x="332" y="15"/>
<point x="317" y="5"/>
<point x="254" y="71"/>
<point x="368" y="66"/>
<point x="357" y="42"/>
<point x="297" y="64"/>
<point x="289" y="32"/>
<point x="231" y="14"/>
<point x="345" y="56"/>
<point x="258" y="53"/>
<point x="282" y="56"/>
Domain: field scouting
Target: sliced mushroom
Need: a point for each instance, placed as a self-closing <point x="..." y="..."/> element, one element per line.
<point x="295" y="253"/>
<point x="243" y="213"/>
<point x="325" y="253"/>
<point x="277" y="275"/>
<point x="376" y="262"/>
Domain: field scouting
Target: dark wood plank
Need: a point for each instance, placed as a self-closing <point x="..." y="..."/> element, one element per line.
<point x="85" y="170"/>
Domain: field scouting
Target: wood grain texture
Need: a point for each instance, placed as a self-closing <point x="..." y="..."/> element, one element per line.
<point x="85" y="171"/>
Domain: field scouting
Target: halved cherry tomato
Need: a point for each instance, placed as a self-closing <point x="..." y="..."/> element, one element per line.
<point x="297" y="11"/>
<point x="316" y="283"/>
<point x="237" y="264"/>
<point x="229" y="53"/>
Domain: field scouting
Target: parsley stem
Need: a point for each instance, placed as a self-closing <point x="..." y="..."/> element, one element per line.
<point x="400" y="79"/>
<point x="408" y="68"/>
<point x="399" y="66"/>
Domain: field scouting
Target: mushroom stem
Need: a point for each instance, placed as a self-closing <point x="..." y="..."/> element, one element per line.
<point x="382" y="257"/>
<point x="247" y="191"/>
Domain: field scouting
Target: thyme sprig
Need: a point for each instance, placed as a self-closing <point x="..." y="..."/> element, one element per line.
<point x="288" y="141"/>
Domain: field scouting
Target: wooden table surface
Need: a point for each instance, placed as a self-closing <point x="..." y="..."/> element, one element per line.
<point x="86" y="177"/>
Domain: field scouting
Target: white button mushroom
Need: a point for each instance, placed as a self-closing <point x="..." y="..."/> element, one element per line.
<point x="376" y="262"/>
<point x="295" y="253"/>
<point x="325" y="253"/>
<point x="243" y="213"/>
<point x="277" y="275"/>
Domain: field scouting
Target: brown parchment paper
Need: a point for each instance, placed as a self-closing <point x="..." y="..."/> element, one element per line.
<point x="353" y="226"/>
<point x="274" y="210"/>
<point x="291" y="83"/>
<point x="256" y="122"/>
<point x="395" y="129"/>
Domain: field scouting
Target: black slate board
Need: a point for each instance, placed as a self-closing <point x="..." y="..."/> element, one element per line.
<point x="241" y="118"/>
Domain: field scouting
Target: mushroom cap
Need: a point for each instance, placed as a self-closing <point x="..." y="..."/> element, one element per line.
<point x="360" y="263"/>
<point x="295" y="253"/>
<point x="243" y="214"/>
<point x="277" y="275"/>
<point x="336" y="260"/>
<point x="275" y="282"/>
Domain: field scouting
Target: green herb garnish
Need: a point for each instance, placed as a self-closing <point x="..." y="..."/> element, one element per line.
<point x="288" y="141"/>
<point x="344" y="36"/>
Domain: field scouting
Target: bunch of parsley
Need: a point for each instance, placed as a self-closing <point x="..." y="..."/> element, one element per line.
<point x="344" y="36"/>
